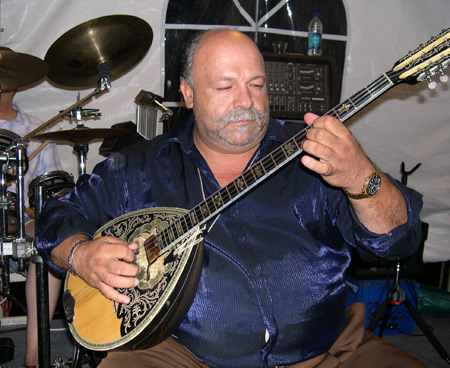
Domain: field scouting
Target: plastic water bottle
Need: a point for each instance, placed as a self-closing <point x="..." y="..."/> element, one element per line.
<point x="315" y="29"/>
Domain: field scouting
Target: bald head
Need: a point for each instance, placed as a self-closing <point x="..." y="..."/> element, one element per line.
<point x="212" y="40"/>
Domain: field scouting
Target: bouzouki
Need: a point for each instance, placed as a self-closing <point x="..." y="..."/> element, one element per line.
<point x="170" y="239"/>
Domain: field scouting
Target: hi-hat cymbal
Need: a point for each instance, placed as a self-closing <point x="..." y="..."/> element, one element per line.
<point x="80" y="135"/>
<point x="19" y="70"/>
<point x="74" y="58"/>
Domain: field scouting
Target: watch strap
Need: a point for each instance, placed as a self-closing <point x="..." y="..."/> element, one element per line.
<point x="373" y="179"/>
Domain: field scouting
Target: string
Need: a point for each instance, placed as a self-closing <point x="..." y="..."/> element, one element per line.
<point x="204" y="199"/>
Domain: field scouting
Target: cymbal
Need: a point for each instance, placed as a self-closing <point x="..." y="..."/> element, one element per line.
<point x="80" y="135"/>
<point x="19" y="70"/>
<point x="74" y="58"/>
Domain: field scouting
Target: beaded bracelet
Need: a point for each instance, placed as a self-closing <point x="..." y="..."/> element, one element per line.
<point x="70" y="257"/>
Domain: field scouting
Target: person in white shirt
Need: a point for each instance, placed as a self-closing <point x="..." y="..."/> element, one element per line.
<point x="14" y="119"/>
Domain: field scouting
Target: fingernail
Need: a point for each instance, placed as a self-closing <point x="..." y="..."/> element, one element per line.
<point x="125" y="300"/>
<point x="136" y="282"/>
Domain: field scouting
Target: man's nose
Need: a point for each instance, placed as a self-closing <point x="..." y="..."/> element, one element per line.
<point x="243" y="98"/>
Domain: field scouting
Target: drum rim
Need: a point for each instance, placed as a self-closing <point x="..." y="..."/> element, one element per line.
<point x="49" y="175"/>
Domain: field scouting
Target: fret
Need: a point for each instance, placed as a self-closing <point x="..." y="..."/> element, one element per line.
<point x="215" y="200"/>
<point x="218" y="201"/>
<point x="368" y="90"/>
<point x="186" y="218"/>
<point x="179" y="228"/>
<point x="336" y="114"/>
<point x="278" y="155"/>
<point x="240" y="184"/>
<point x="352" y="103"/>
<point x="211" y="204"/>
<point x="204" y="210"/>
<point x="267" y="163"/>
<point x="290" y="147"/>
<point x="274" y="162"/>
<point x="225" y="194"/>
<point x="232" y="190"/>
<point x="170" y="233"/>
<point x="193" y="217"/>
<point x="261" y="169"/>
<point x="250" y="170"/>
<point x="257" y="172"/>
<point x="184" y="223"/>
<point x="281" y="150"/>
<point x="299" y="139"/>
<point x="163" y="236"/>
<point x="198" y="212"/>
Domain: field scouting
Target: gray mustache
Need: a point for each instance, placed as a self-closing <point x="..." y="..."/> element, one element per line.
<point x="251" y="114"/>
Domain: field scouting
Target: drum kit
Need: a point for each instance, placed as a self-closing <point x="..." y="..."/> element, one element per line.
<point x="90" y="55"/>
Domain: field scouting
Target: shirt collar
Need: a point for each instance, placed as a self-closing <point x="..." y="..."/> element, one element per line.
<point x="184" y="135"/>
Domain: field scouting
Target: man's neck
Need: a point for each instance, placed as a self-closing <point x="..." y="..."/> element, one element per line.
<point x="7" y="112"/>
<point x="225" y="167"/>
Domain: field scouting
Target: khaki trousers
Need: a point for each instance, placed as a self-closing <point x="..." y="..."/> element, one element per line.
<point x="354" y="348"/>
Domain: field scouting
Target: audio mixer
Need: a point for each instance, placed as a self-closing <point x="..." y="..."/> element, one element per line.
<point x="298" y="84"/>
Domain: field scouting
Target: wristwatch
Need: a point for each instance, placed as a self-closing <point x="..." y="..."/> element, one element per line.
<point x="371" y="186"/>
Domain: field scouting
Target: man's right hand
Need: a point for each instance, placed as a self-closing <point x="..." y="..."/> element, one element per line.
<point x="104" y="263"/>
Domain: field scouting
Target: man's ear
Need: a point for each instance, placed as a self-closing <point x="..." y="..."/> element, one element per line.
<point x="188" y="94"/>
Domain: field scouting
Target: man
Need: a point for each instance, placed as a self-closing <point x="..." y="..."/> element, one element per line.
<point x="271" y="290"/>
<point x="14" y="119"/>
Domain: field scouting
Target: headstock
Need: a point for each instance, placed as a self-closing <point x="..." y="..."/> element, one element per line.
<point x="425" y="61"/>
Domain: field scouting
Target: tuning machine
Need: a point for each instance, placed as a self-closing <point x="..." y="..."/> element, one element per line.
<point x="439" y="69"/>
<point x="427" y="75"/>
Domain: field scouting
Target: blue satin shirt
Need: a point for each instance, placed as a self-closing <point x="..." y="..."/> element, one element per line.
<point x="271" y="290"/>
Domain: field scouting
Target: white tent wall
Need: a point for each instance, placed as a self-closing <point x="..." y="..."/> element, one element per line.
<point x="408" y="124"/>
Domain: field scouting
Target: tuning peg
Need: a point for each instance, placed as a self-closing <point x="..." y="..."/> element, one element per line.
<point x="443" y="77"/>
<point x="431" y="83"/>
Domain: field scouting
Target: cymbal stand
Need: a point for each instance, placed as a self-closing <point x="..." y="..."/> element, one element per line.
<point x="42" y="299"/>
<point x="6" y="241"/>
<point x="23" y="245"/>
<point x="397" y="296"/>
<point x="16" y="244"/>
<point x="82" y="148"/>
<point x="63" y="113"/>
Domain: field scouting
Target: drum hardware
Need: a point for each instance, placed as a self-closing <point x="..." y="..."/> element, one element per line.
<point x="78" y="114"/>
<point x="93" y="52"/>
<point x="56" y="184"/>
<point x="14" y="241"/>
<point x="80" y="138"/>
<point x="42" y="302"/>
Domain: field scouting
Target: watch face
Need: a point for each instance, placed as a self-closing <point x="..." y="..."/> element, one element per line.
<point x="373" y="185"/>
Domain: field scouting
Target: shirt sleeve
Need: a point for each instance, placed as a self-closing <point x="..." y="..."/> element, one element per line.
<point x="400" y="242"/>
<point x="94" y="201"/>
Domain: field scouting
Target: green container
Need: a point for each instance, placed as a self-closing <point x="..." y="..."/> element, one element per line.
<point x="432" y="300"/>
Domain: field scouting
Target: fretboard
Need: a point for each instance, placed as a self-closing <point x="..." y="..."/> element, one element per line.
<point x="262" y="169"/>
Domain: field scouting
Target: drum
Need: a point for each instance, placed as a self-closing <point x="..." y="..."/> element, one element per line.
<point x="57" y="183"/>
<point x="7" y="138"/>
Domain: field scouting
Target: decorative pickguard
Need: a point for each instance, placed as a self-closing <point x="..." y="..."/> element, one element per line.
<point x="155" y="279"/>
